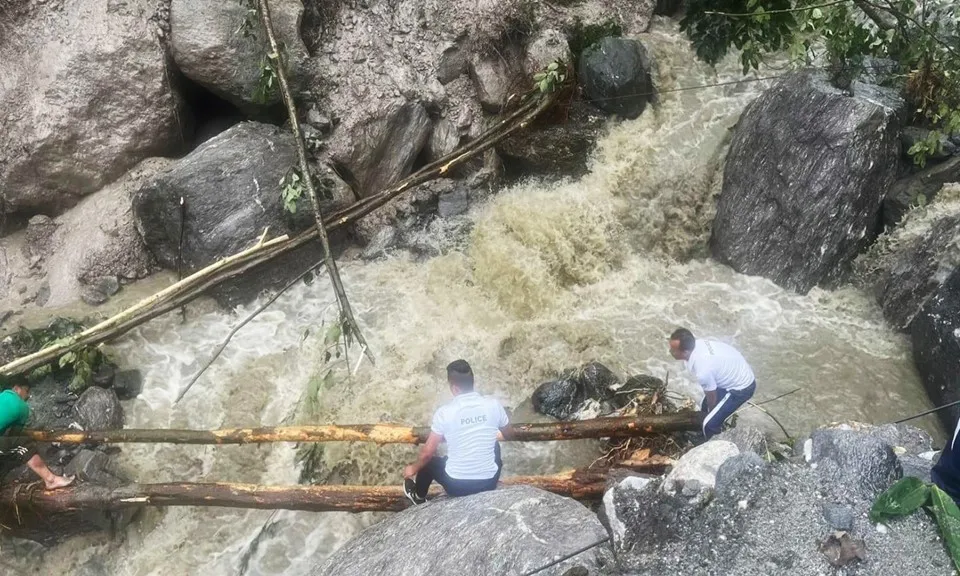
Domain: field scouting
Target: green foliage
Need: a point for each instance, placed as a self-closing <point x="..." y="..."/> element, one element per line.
<point x="948" y="518"/>
<point x="79" y="364"/>
<point x="902" y="498"/>
<point x="919" y="36"/>
<point x="550" y="78"/>
<point x="292" y="188"/>
<point x="909" y="494"/>
<point x="713" y="35"/>
<point x="581" y="36"/>
<point x="268" y="85"/>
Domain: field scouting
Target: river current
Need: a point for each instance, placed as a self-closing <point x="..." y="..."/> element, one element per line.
<point x="541" y="277"/>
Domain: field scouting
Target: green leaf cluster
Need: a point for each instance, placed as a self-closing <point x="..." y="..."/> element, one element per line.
<point x="550" y="78"/>
<point x="79" y="364"/>
<point x="908" y="495"/>
<point x="292" y="188"/>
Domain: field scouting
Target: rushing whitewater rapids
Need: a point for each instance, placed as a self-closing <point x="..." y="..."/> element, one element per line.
<point x="550" y="275"/>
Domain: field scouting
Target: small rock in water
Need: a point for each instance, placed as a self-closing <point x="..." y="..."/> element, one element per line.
<point x="99" y="409"/>
<point x="453" y="203"/>
<point x="104" y="376"/>
<point x="128" y="384"/>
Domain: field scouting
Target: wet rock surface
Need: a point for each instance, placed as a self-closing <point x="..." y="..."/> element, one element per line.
<point x="513" y="530"/>
<point x="805" y="177"/>
<point x="789" y="517"/>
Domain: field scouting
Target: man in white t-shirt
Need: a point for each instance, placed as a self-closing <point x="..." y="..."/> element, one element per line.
<point x="470" y="424"/>
<point x="723" y="373"/>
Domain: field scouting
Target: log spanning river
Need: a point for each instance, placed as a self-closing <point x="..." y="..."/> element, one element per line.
<point x="540" y="278"/>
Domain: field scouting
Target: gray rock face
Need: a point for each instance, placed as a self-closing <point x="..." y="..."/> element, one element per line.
<point x="746" y="438"/>
<point x="548" y="46"/>
<point x="805" y="176"/>
<point x="231" y="193"/>
<point x="209" y="48"/>
<point x="498" y="74"/>
<point x="383" y="148"/>
<point x="67" y="126"/>
<point x="506" y="531"/>
<point x="615" y="75"/>
<point x="443" y="139"/>
<point x="99" y="409"/>
<point x="905" y="269"/>
<point x="936" y="347"/>
<point x="906" y="191"/>
<point x="854" y="461"/>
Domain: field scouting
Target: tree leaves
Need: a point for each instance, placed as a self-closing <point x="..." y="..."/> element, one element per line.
<point x="902" y="498"/>
<point x="948" y="518"/>
<point x="291" y="190"/>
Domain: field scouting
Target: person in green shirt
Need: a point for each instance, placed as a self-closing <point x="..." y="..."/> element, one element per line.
<point x="14" y="414"/>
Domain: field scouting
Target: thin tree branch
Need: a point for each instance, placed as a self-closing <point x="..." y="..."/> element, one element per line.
<point x="904" y="16"/>
<point x="784" y="11"/>
<point x="350" y="326"/>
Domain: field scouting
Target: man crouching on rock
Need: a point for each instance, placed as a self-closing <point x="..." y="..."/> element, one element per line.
<point x="14" y="413"/>
<point x="723" y="373"/>
<point x="470" y="424"/>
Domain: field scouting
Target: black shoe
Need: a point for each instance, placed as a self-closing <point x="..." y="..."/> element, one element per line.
<point x="410" y="489"/>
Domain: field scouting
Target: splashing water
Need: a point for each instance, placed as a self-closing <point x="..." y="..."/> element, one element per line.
<point x="552" y="275"/>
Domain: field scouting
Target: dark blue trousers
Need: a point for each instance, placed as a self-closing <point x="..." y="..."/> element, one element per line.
<point x="727" y="403"/>
<point x="436" y="471"/>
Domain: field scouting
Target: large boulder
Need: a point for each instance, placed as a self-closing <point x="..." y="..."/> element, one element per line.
<point x="85" y="95"/>
<point x="579" y="393"/>
<point x="853" y="463"/>
<point x="696" y="471"/>
<point x="231" y="194"/>
<point x="220" y="46"/>
<point x="918" y="189"/>
<point x="505" y="531"/>
<point x="382" y="148"/>
<point x="907" y="266"/>
<point x="935" y="335"/>
<point x="615" y="75"/>
<point x="805" y="176"/>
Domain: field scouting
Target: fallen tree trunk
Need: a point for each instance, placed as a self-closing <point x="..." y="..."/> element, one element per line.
<point x="195" y="285"/>
<point x="621" y="427"/>
<point x="585" y="484"/>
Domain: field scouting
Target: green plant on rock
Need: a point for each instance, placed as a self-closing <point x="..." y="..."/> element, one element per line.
<point x="920" y="38"/>
<point x="79" y="364"/>
<point x="910" y="494"/>
<point x="251" y="17"/>
<point x="550" y="78"/>
<point x="291" y="189"/>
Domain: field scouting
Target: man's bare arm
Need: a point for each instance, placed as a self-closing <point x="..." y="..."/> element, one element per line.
<point x="711" y="400"/>
<point x="427" y="451"/>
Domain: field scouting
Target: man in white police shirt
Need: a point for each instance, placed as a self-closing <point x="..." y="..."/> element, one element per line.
<point x="470" y="424"/>
<point x="723" y="373"/>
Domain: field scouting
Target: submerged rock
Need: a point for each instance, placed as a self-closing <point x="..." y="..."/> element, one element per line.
<point x="554" y="148"/>
<point x="615" y="75"/>
<point x="805" y="176"/>
<point x="918" y="189"/>
<point x="506" y="531"/>
<point x="578" y="393"/>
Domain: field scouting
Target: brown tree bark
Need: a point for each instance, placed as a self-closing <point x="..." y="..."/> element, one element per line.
<point x="25" y="503"/>
<point x="620" y="427"/>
